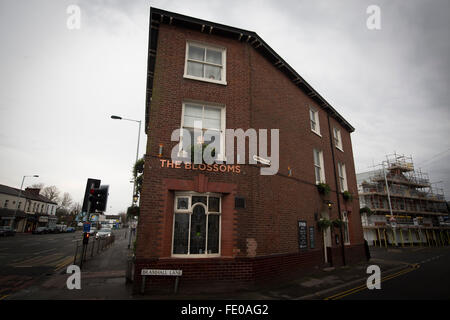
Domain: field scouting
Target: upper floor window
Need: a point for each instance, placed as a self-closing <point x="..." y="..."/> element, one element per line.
<point x="211" y="122"/>
<point x="6" y="204"/>
<point x="337" y="138"/>
<point x="314" y="118"/>
<point x="342" y="177"/>
<point x="318" y="166"/>
<point x="205" y="63"/>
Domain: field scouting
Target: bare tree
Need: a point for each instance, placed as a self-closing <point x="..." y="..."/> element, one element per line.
<point x="51" y="193"/>
<point x="75" y="208"/>
<point x="66" y="201"/>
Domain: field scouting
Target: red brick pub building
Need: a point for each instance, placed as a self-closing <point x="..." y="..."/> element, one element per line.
<point x="227" y="225"/>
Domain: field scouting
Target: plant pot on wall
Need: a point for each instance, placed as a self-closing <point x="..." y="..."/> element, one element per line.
<point x="365" y="210"/>
<point x="324" y="224"/>
<point x="323" y="188"/>
<point x="347" y="196"/>
<point x="337" y="223"/>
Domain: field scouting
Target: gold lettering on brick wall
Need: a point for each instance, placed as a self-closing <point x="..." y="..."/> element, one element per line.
<point x="224" y="168"/>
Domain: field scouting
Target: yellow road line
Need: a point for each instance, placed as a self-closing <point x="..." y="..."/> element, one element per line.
<point x="364" y="286"/>
<point x="4" y="297"/>
<point x="39" y="261"/>
<point x="64" y="263"/>
<point x="361" y="286"/>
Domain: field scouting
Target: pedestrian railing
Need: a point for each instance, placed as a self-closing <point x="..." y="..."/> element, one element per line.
<point x="84" y="252"/>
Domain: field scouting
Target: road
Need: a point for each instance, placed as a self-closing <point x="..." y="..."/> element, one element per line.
<point x="428" y="277"/>
<point x="27" y="259"/>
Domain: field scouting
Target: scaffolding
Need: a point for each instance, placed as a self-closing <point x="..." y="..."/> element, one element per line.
<point x="404" y="203"/>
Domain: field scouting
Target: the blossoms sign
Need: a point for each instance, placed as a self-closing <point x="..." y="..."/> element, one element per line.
<point x="212" y="150"/>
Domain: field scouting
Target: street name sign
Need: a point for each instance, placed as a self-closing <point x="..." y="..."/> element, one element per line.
<point x="159" y="272"/>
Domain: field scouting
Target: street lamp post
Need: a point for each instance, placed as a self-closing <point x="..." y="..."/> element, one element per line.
<point x="20" y="193"/>
<point x="137" y="151"/>
<point x="134" y="196"/>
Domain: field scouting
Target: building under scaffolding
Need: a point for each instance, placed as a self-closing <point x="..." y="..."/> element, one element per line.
<point x="405" y="209"/>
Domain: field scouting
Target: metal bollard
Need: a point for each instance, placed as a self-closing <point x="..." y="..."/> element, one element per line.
<point x="92" y="250"/>
<point x="75" y="256"/>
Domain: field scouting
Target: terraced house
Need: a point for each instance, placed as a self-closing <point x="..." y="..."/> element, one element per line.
<point x="226" y="224"/>
<point x="25" y="210"/>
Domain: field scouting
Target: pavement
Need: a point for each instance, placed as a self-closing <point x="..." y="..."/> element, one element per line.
<point x="103" y="278"/>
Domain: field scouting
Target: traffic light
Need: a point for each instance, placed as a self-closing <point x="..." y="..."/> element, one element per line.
<point x="86" y="236"/>
<point x="98" y="197"/>
<point x="91" y="184"/>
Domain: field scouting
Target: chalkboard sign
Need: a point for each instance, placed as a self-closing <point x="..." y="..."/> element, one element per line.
<point x="302" y="235"/>
<point x="311" y="237"/>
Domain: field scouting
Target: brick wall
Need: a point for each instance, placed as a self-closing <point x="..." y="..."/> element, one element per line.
<point x="261" y="240"/>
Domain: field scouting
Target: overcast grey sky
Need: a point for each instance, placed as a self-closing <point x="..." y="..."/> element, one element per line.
<point x="58" y="87"/>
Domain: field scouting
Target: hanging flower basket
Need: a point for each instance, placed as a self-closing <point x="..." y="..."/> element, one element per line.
<point x="347" y="196"/>
<point x="365" y="210"/>
<point x="337" y="223"/>
<point x="133" y="211"/>
<point x="323" y="188"/>
<point x="324" y="224"/>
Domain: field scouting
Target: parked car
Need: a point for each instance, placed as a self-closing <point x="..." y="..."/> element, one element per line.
<point x="103" y="233"/>
<point x="6" y="231"/>
<point x="52" y="230"/>
<point x="70" y="229"/>
<point x="93" y="232"/>
<point x="40" y="230"/>
<point x="61" y="227"/>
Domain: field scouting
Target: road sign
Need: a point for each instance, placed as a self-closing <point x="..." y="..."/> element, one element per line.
<point x="159" y="272"/>
<point x="86" y="227"/>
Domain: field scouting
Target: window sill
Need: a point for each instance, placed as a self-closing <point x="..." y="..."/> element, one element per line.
<point x="205" y="80"/>
<point x="317" y="133"/>
<point x="195" y="256"/>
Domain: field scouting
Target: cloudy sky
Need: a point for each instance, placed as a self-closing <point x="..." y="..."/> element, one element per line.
<point x="59" y="87"/>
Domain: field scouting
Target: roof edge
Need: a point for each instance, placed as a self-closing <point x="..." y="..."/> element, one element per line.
<point x="256" y="42"/>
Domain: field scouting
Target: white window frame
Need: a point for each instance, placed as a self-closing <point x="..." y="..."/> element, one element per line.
<point x="190" y="212"/>
<point x="321" y="167"/>
<point x="212" y="47"/>
<point x="338" y="138"/>
<point x="346" y="228"/>
<point x="220" y="156"/>
<point x="342" y="177"/>
<point x="316" y="121"/>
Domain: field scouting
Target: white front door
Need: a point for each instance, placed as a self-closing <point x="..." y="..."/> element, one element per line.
<point x="326" y="236"/>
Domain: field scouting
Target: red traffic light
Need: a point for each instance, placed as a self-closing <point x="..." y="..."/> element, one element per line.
<point x="91" y="191"/>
